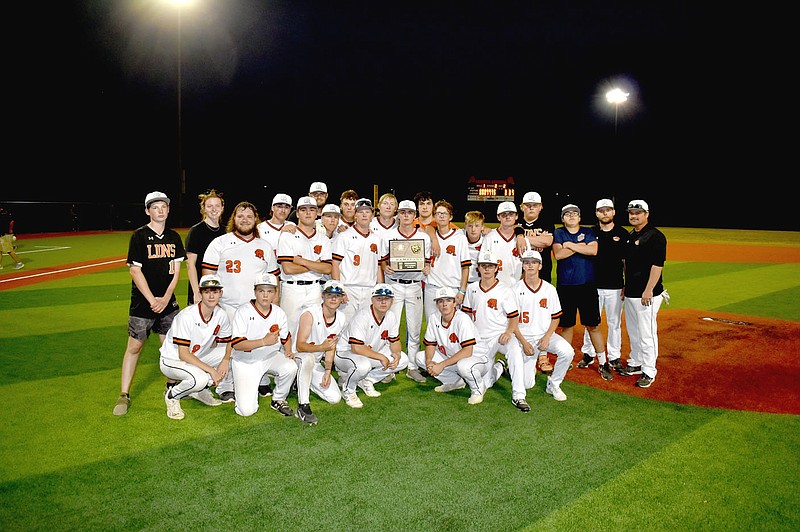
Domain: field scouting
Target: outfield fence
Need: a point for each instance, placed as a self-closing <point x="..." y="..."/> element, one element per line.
<point x="63" y="216"/>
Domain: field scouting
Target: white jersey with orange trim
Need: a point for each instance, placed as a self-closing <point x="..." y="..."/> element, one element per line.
<point x="474" y="249"/>
<point x="453" y="256"/>
<point x="365" y="329"/>
<point x="510" y="265"/>
<point x="271" y="233"/>
<point x="450" y="338"/>
<point x="538" y="306"/>
<point x="491" y="309"/>
<point x="313" y="247"/>
<point x="237" y="262"/>
<point x="359" y="256"/>
<point x="416" y="234"/>
<point x="191" y="330"/>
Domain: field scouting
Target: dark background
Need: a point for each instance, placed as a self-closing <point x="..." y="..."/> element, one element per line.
<point x="408" y="96"/>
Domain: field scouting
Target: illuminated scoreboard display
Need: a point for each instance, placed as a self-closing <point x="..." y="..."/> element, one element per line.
<point x="490" y="189"/>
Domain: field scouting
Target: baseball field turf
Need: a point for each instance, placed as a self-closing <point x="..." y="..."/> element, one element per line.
<point x="714" y="444"/>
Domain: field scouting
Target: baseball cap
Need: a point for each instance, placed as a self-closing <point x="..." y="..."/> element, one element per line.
<point x="604" y="203"/>
<point x="318" y="186"/>
<point x="506" y="206"/>
<point x="531" y="197"/>
<point x="331" y="208"/>
<point x="155" y="196"/>
<point x="306" y="201"/>
<point x="282" y="198"/>
<point x="210" y="281"/>
<point x="407" y="205"/>
<point x="444" y="292"/>
<point x="364" y="203"/>
<point x="382" y="289"/>
<point x="333" y="287"/>
<point x="487" y="257"/>
<point x="531" y="254"/>
<point x="639" y="204"/>
<point x="265" y="278"/>
<point x="569" y="207"/>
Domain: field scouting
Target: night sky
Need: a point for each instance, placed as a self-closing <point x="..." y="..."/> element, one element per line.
<point x="406" y="95"/>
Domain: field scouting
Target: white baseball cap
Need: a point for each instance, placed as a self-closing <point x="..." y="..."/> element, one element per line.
<point x="282" y="198"/>
<point x="306" y="201"/>
<point x="639" y="204"/>
<point x="155" y="196"/>
<point x="364" y="203"/>
<point x="382" y="289"/>
<point x="407" y="205"/>
<point x="444" y="292"/>
<point x="265" y="278"/>
<point x="333" y="287"/>
<point x="210" y="281"/>
<point x="318" y="186"/>
<point x="330" y="208"/>
<point x="531" y="197"/>
<point x="604" y="203"/>
<point x="531" y="254"/>
<point x="487" y="257"/>
<point x="506" y="206"/>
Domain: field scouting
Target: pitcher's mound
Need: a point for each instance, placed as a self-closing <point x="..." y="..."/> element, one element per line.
<point x="728" y="361"/>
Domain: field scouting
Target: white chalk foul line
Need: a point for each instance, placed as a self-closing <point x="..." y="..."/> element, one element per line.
<point x="54" y="272"/>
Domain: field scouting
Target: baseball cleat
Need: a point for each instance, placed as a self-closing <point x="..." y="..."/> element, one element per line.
<point x="304" y="414"/>
<point x="521" y="404"/>
<point x="227" y="397"/>
<point x="369" y="389"/>
<point x="206" y="397"/>
<point x="281" y="407"/>
<point x="352" y="400"/>
<point x="556" y="392"/>
<point x="475" y="398"/>
<point x="631" y="370"/>
<point x="645" y="381"/>
<point x="415" y="375"/>
<point x="459" y="384"/>
<point x="264" y="390"/>
<point x="605" y="372"/>
<point x="586" y="361"/>
<point x="174" y="410"/>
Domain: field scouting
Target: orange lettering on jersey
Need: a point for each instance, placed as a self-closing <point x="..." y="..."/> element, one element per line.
<point x="543" y="302"/>
<point x="160" y="251"/>
<point x="523" y="317"/>
<point x="453" y="338"/>
<point x="274" y="327"/>
<point x="499" y="265"/>
<point x="233" y="266"/>
<point x="357" y="260"/>
<point x="195" y="348"/>
<point x="450" y="250"/>
<point x="331" y="336"/>
<point x="318" y="249"/>
<point x="492" y="303"/>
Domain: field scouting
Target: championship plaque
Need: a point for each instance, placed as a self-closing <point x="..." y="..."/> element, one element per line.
<point x="407" y="255"/>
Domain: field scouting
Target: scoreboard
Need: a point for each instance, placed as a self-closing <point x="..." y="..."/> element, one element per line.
<point x="490" y="189"/>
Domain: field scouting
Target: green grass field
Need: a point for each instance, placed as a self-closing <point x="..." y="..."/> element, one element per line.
<point x="412" y="459"/>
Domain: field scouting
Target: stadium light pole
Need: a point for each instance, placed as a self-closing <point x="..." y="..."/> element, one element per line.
<point x="616" y="97"/>
<point x="179" y="5"/>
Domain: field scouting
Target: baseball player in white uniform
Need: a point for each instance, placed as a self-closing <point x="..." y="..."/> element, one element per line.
<point x="369" y="349"/>
<point x="494" y="309"/>
<point x="502" y="240"/>
<point x="451" y="267"/>
<point x="271" y="229"/>
<point x="305" y="258"/>
<point x="539" y="313"/>
<point x="356" y="260"/>
<point x="260" y="330"/>
<point x="474" y="229"/>
<point x="453" y="351"/>
<point x="386" y="219"/>
<point x="317" y="335"/>
<point x="237" y="257"/>
<point x="407" y="286"/>
<point x="193" y="353"/>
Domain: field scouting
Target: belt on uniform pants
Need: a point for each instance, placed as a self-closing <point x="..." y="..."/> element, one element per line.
<point x="405" y="281"/>
<point x="320" y="281"/>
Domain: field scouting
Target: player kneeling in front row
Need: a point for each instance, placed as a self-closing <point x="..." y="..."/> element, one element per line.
<point x="318" y="330"/>
<point x="369" y="349"/>
<point x="260" y="329"/>
<point x="453" y="353"/>
<point x="539" y="312"/>
<point x="194" y="352"/>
